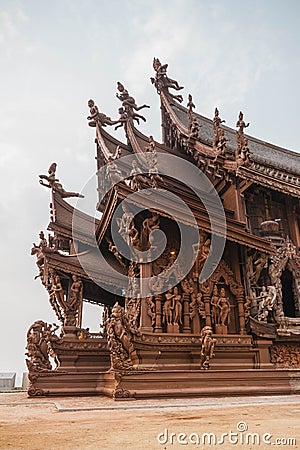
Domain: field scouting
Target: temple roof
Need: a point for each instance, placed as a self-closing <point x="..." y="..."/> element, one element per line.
<point x="262" y="152"/>
<point x="63" y="214"/>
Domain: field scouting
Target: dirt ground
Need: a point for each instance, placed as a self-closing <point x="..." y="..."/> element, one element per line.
<point x="101" y="423"/>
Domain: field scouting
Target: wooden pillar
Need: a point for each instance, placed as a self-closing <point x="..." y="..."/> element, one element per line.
<point x="241" y="312"/>
<point x="206" y="300"/>
<point x="158" y="314"/>
<point x="145" y="320"/>
<point x="186" y="313"/>
<point x="80" y="310"/>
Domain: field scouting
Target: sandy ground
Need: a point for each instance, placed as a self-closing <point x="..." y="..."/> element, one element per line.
<point x="100" y="423"/>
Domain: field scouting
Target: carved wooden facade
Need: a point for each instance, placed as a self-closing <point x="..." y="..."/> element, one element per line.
<point x="166" y="317"/>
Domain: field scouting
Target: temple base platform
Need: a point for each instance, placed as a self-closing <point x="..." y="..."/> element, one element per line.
<point x="139" y="384"/>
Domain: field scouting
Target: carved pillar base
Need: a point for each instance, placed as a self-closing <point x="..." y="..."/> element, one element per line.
<point x="264" y="353"/>
<point x="70" y="332"/>
<point x="221" y="329"/>
<point x="145" y="321"/>
<point x="173" y="328"/>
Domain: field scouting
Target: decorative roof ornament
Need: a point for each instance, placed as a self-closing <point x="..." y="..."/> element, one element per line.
<point x="129" y="106"/>
<point x="151" y="157"/>
<point x="219" y="141"/>
<point x="242" y="151"/>
<point x="96" y="118"/>
<point x="193" y="125"/>
<point x="53" y="183"/>
<point x="162" y="82"/>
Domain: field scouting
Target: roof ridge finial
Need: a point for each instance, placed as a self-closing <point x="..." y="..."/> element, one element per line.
<point x="219" y="141"/>
<point x="242" y="151"/>
<point x="129" y="106"/>
<point x="193" y="125"/>
<point x="96" y="118"/>
<point x="54" y="185"/>
<point x="162" y="82"/>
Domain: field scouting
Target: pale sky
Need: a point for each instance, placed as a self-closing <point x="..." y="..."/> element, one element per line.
<point x="56" y="55"/>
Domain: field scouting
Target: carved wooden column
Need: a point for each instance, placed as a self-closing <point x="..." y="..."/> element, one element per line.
<point x="145" y="320"/>
<point x="186" y="313"/>
<point x="241" y="312"/>
<point x="206" y="300"/>
<point x="158" y="314"/>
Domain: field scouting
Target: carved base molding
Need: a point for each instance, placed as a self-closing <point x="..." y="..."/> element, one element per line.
<point x="164" y="384"/>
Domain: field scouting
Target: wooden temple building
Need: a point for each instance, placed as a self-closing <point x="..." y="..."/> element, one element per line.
<point x="209" y="200"/>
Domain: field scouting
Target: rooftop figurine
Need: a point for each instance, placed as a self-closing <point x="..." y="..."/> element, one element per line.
<point x="163" y="82"/>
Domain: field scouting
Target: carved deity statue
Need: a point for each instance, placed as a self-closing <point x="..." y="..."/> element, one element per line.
<point x="217" y="121"/>
<point x="58" y="291"/>
<point x="151" y="309"/>
<point x="177" y="307"/>
<point x="224" y="306"/>
<point x="207" y="347"/>
<point x="136" y="177"/>
<point x="149" y="224"/>
<point x="151" y="157"/>
<point x="267" y="304"/>
<point x="76" y="293"/>
<point x="168" y="307"/>
<point x="53" y="183"/>
<point x="40" y="338"/>
<point x="129" y="105"/>
<point x="196" y="311"/>
<point x="122" y="352"/>
<point x="259" y="264"/>
<point x="242" y="150"/>
<point x="163" y="82"/>
<point x="113" y="174"/>
<point x="113" y="248"/>
<point x="241" y="125"/>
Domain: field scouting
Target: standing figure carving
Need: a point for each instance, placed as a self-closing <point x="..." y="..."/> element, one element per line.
<point x="242" y="151"/>
<point x="197" y="312"/>
<point x="122" y="353"/>
<point x="149" y="224"/>
<point x="207" y="347"/>
<point x="168" y="307"/>
<point x="177" y="307"/>
<point x="76" y="293"/>
<point x="151" y="309"/>
<point x="217" y="121"/>
<point x="224" y="306"/>
<point x="136" y="177"/>
<point x="259" y="264"/>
